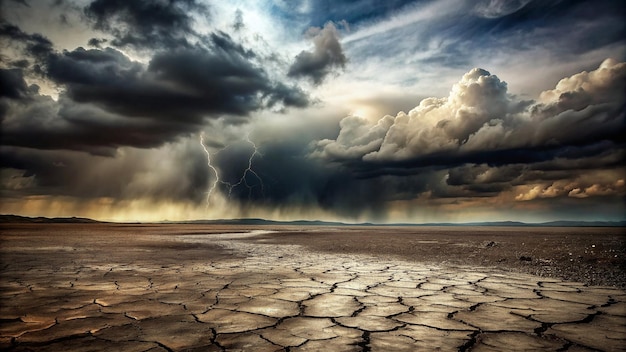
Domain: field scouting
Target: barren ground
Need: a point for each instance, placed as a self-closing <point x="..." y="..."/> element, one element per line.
<point x="103" y="287"/>
<point x="592" y="255"/>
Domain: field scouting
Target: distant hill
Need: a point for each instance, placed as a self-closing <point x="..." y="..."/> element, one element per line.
<point x="258" y="222"/>
<point x="586" y="223"/>
<point x="560" y="223"/>
<point x="25" y="219"/>
<point x="255" y="221"/>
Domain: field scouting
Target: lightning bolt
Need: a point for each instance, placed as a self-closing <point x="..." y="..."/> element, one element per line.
<point x="244" y="177"/>
<point x="247" y="171"/>
<point x="217" y="176"/>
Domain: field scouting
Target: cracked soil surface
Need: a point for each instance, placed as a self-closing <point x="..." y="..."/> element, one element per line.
<point x="107" y="287"/>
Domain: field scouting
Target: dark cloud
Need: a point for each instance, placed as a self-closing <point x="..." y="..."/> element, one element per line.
<point x="183" y="85"/>
<point x="38" y="121"/>
<point x="238" y="23"/>
<point x="480" y="177"/>
<point x="96" y="42"/>
<point x="109" y="101"/>
<point x="327" y="55"/>
<point x="35" y="44"/>
<point x="284" y="178"/>
<point x="21" y="2"/>
<point x="19" y="63"/>
<point x="92" y="67"/>
<point x="12" y="84"/>
<point x="288" y="96"/>
<point x="145" y="23"/>
<point x="175" y="173"/>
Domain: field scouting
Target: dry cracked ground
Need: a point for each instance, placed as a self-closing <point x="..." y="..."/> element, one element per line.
<point x="191" y="288"/>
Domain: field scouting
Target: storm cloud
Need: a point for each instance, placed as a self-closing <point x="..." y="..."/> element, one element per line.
<point x="146" y="23"/>
<point x="479" y="143"/>
<point x="108" y="100"/>
<point x="327" y="55"/>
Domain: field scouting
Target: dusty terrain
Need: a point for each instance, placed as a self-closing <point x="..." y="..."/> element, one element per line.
<point x="592" y="255"/>
<point x="103" y="287"/>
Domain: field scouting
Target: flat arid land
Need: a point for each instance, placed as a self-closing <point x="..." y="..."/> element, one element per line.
<point x="125" y="287"/>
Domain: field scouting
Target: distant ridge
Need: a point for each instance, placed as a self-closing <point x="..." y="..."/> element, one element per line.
<point x="26" y="219"/>
<point x="257" y="221"/>
<point x="560" y="223"/>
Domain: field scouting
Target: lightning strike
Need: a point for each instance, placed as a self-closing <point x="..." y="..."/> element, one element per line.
<point x="244" y="177"/>
<point x="217" y="176"/>
<point x="249" y="169"/>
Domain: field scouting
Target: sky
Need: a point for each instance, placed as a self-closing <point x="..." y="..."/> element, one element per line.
<point x="344" y="110"/>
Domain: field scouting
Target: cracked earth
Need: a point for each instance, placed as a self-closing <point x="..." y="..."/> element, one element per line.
<point x="154" y="289"/>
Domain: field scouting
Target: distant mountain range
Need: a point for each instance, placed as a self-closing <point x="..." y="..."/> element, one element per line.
<point x="255" y="222"/>
<point x="25" y="219"/>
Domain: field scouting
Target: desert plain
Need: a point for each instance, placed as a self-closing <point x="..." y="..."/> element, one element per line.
<point x="181" y="287"/>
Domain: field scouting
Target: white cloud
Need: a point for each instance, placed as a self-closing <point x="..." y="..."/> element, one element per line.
<point x="479" y="115"/>
<point x="405" y="17"/>
<point x="498" y="8"/>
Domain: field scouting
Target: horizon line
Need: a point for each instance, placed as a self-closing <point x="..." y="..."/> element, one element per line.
<point x="13" y="218"/>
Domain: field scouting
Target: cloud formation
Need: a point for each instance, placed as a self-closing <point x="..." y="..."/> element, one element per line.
<point x="481" y="141"/>
<point x="498" y="8"/>
<point x="108" y="100"/>
<point x="480" y="122"/>
<point x="326" y="56"/>
<point x="145" y="23"/>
